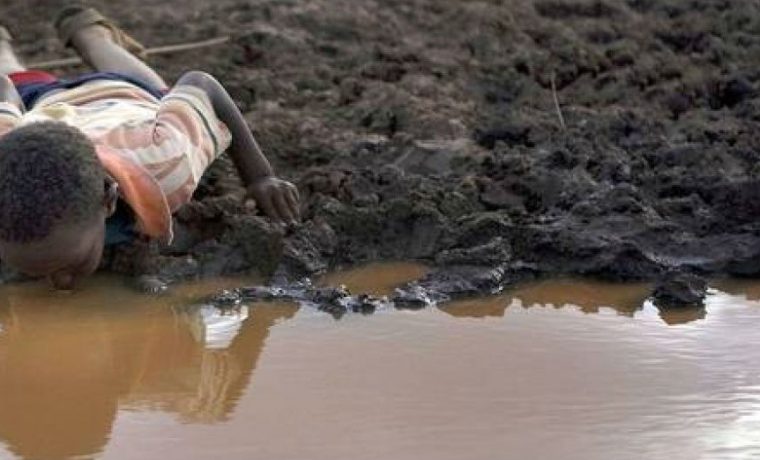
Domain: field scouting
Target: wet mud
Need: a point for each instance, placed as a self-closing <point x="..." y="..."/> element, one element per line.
<point x="428" y="130"/>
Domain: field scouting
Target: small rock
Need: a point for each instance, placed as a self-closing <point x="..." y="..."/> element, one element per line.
<point x="679" y="290"/>
<point x="465" y="280"/>
<point x="414" y="297"/>
<point x="495" y="252"/>
<point x="366" y="304"/>
<point x="495" y="196"/>
<point x="736" y="90"/>
<point x="510" y="133"/>
<point x="227" y="297"/>
<point x="328" y="295"/>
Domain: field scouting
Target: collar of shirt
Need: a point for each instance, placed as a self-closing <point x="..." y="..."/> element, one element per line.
<point x="141" y="192"/>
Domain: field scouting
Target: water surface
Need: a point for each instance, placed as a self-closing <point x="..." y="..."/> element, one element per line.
<point x="552" y="370"/>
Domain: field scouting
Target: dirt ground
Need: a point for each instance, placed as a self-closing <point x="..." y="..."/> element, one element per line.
<point x="428" y="129"/>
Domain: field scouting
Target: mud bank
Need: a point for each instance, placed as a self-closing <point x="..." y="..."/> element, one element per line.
<point x="428" y="130"/>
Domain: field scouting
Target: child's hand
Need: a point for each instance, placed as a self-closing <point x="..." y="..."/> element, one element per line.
<point x="278" y="198"/>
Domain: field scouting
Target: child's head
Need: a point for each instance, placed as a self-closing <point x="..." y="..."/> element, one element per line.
<point x="54" y="199"/>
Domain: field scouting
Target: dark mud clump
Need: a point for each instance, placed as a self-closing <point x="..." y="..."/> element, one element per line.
<point x="427" y="129"/>
<point x="679" y="290"/>
<point x="336" y="301"/>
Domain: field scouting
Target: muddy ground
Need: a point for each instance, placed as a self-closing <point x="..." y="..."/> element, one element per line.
<point x="428" y="129"/>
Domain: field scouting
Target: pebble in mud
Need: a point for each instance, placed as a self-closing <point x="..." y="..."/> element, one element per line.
<point x="336" y="301"/>
<point x="679" y="290"/>
<point x="415" y="297"/>
<point x="437" y="287"/>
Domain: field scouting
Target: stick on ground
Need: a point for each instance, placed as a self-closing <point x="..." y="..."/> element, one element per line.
<point x="556" y="102"/>
<point x="55" y="63"/>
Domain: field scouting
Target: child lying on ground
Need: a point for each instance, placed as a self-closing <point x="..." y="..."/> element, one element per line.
<point x="109" y="156"/>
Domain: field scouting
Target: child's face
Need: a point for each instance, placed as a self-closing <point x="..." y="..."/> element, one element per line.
<point x="68" y="254"/>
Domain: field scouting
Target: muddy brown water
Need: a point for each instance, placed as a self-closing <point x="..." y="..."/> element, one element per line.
<point x="551" y="370"/>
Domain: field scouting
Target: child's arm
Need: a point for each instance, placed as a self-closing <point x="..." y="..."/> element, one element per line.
<point x="278" y="198"/>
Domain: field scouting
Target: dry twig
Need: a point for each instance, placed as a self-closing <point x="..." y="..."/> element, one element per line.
<point x="155" y="50"/>
<point x="556" y="102"/>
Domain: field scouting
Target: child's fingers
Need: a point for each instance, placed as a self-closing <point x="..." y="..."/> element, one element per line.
<point x="266" y="204"/>
<point x="283" y="208"/>
<point x="296" y="194"/>
<point x="292" y="196"/>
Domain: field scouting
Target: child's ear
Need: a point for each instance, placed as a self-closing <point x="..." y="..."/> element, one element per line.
<point x="111" y="196"/>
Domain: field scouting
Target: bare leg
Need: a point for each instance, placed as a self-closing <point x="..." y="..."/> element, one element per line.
<point x="96" y="46"/>
<point x="9" y="63"/>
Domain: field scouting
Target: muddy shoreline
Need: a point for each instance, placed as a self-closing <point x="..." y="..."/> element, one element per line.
<point x="427" y="130"/>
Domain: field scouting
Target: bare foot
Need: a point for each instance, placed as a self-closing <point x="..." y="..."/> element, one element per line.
<point x="87" y="35"/>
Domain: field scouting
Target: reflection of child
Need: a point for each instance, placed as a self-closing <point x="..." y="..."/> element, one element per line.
<point x="63" y="405"/>
<point x="72" y="149"/>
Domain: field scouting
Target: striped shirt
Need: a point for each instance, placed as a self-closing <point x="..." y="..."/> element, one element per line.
<point x="157" y="150"/>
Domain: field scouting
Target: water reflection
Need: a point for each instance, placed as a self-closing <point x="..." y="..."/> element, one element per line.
<point x="745" y="287"/>
<point x="626" y="299"/>
<point x="68" y="362"/>
<point x="72" y="364"/>
<point x="376" y="279"/>
<point x="684" y="315"/>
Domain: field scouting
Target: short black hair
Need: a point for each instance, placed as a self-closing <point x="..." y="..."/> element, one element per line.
<point x="49" y="174"/>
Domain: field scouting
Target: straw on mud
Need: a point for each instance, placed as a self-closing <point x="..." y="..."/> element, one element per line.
<point x="556" y="102"/>
<point x="155" y="50"/>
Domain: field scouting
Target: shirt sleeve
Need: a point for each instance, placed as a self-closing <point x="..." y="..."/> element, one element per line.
<point x="10" y="117"/>
<point x="186" y="123"/>
<point x="188" y="109"/>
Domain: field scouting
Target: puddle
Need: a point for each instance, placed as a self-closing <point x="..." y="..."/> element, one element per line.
<point x="557" y="369"/>
<point x="376" y="279"/>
